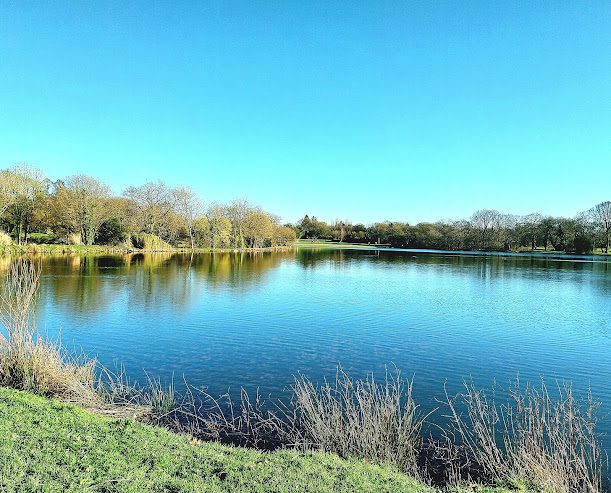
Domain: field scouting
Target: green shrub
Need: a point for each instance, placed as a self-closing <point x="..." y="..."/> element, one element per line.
<point x="111" y="232"/>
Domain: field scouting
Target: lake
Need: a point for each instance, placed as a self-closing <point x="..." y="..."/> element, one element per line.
<point x="254" y="320"/>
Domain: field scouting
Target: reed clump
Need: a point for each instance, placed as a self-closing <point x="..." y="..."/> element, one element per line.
<point x="364" y="418"/>
<point x="33" y="362"/>
<point x="29" y="361"/>
<point x="546" y="439"/>
<point x="359" y="418"/>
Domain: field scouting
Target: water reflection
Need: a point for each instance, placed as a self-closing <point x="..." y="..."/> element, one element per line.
<point x="92" y="283"/>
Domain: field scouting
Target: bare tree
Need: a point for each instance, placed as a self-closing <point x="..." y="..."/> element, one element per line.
<point x="508" y="223"/>
<point x="26" y="189"/>
<point x="486" y="221"/>
<point x="86" y="205"/>
<point x="8" y="189"/>
<point x="600" y="214"/>
<point x="532" y="222"/>
<point x="154" y="202"/>
<point x="189" y="207"/>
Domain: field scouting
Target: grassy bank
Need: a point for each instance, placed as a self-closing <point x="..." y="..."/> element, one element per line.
<point x="332" y="244"/>
<point x="60" y="249"/>
<point x="52" y="446"/>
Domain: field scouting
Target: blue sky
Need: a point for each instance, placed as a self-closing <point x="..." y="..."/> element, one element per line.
<point x="354" y="110"/>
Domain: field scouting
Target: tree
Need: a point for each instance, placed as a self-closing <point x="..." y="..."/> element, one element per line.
<point x="86" y="205"/>
<point x="220" y="227"/>
<point x="153" y="204"/>
<point x="8" y="189"/>
<point x="258" y="227"/>
<point x="546" y="230"/>
<point x="531" y="222"/>
<point x="189" y="207"/>
<point x="508" y="230"/>
<point x="201" y="231"/>
<point x="27" y="189"/>
<point x="600" y="214"/>
<point x="237" y="213"/>
<point x="284" y="235"/>
<point x="486" y="221"/>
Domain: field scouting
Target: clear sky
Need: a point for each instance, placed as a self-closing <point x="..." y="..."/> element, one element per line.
<point x="353" y="110"/>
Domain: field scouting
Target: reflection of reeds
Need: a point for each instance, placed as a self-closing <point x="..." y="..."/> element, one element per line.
<point x="547" y="440"/>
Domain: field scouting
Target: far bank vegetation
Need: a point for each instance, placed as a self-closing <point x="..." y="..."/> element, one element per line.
<point x="82" y="210"/>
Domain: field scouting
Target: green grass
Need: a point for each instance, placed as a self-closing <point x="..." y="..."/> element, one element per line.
<point x="51" y="446"/>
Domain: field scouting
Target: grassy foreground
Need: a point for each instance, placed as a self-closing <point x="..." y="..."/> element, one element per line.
<point x="52" y="446"/>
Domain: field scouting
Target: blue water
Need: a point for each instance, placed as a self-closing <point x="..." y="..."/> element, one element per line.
<point x="231" y="320"/>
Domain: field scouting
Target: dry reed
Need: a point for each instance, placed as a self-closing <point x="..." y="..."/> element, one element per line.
<point x="29" y="361"/>
<point x="546" y="439"/>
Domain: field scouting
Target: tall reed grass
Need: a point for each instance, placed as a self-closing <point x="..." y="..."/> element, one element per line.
<point x="364" y="418"/>
<point x="545" y="438"/>
<point x="28" y="360"/>
<point x="33" y="362"/>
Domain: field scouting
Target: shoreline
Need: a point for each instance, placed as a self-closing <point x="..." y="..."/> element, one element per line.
<point x="144" y="457"/>
<point x="65" y="249"/>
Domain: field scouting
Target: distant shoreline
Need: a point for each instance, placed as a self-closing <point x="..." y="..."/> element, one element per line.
<point x="374" y="246"/>
<point x="66" y="249"/>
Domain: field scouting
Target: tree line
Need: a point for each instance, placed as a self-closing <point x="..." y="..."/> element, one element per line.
<point x="486" y="229"/>
<point x="81" y="209"/>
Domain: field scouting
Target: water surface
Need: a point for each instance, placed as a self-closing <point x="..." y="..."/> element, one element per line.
<point x="231" y="320"/>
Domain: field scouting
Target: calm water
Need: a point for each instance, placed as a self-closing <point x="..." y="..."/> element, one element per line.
<point x="254" y="320"/>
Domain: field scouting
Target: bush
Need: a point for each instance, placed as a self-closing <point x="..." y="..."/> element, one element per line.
<point x="145" y="241"/>
<point x="43" y="238"/>
<point x="111" y="232"/>
<point x="75" y="239"/>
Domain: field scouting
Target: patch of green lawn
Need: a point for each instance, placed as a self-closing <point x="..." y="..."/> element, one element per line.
<point x="51" y="446"/>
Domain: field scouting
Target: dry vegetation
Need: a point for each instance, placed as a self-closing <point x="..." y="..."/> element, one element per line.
<point x="29" y="361"/>
<point x="360" y="418"/>
<point x="546" y="438"/>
